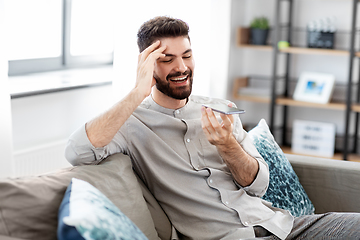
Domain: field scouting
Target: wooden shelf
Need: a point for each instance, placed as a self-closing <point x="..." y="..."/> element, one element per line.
<point x="299" y="50"/>
<point x="292" y="102"/>
<point x="356" y="107"/>
<point x="337" y="156"/>
<point x="242" y="40"/>
<point x="331" y="105"/>
<point x="243" y="82"/>
<point x="258" y="47"/>
<point x="317" y="51"/>
<point x="357" y="54"/>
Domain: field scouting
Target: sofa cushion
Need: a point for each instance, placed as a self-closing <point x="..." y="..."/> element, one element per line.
<point x="162" y="223"/>
<point x="29" y="205"/>
<point x="284" y="191"/>
<point x="86" y="213"/>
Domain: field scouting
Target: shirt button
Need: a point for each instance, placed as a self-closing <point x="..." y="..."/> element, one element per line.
<point x="246" y="223"/>
<point x="188" y="140"/>
<point x="211" y="180"/>
<point x="177" y="111"/>
<point x="227" y="203"/>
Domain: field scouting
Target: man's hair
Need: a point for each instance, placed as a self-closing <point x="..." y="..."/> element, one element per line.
<point x="160" y="27"/>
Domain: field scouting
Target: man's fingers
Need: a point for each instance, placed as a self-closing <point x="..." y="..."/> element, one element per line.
<point x="155" y="55"/>
<point x="216" y="132"/>
<point x="228" y="120"/>
<point x="205" y="121"/>
<point x="211" y="126"/>
<point x="208" y="129"/>
<point x="213" y="120"/>
<point x="153" y="50"/>
<point x="147" y="59"/>
<point x="144" y="54"/>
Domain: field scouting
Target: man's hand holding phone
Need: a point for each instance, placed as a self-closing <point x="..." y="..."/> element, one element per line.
<point x="218" y="133"/>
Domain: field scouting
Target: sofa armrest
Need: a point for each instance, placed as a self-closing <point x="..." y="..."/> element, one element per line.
<point x="332" y="185"/>
<point x="29" y="205"/>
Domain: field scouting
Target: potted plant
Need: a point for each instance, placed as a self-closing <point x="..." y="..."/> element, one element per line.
<point x="259" y="30"/>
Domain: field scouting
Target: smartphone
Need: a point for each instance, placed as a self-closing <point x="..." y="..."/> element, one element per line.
<point x="224" y="109"/>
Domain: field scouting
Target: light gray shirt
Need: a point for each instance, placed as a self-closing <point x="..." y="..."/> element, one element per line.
<point x="186" y="174"/>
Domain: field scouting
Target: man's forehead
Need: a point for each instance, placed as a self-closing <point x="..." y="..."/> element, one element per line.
<point x="175" y="39"/>
<point x="176" y="45"/>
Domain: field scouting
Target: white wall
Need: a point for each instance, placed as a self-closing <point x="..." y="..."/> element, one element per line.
<point x="42" y="119"/>
<point x="245" y="62"/>
<point x="6" y="162"/>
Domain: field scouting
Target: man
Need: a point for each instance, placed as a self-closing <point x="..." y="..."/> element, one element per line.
<point x="203" y="169"/>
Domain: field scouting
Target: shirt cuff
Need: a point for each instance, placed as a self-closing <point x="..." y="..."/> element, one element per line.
<point x="259" y="186"/>
<point x="79" y="150"/>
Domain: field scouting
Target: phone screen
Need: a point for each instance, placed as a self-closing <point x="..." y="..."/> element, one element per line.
<point x="224" y="109"/>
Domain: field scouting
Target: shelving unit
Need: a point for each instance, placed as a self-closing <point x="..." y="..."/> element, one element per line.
<point x="285" y="100"/>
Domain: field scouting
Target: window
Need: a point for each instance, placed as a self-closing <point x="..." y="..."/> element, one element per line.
<point x="91" y="32"/>
<point x="51" y="35"/>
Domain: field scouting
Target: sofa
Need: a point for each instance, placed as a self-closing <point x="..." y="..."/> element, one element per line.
<point x="29" y="205"/>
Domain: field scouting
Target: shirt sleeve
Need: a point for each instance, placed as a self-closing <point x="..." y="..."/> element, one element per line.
<point x="261" y="182"/>
<point x="80" y="151"/>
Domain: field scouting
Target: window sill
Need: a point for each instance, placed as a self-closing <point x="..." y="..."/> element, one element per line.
<point x="51" y="82"/>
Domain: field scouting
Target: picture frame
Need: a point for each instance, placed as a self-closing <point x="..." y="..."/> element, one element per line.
<point x="314" y="87"/>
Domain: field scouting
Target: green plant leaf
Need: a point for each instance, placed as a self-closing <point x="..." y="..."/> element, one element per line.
<point x="260" y="22"/>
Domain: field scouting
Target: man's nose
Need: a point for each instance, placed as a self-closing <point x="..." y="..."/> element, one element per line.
<point x="180" y="65"/>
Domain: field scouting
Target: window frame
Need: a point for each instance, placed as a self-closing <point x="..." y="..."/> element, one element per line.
<point x="66" y="60"/>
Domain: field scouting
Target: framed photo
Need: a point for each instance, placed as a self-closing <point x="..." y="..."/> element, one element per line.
<point x="314" y="87"/>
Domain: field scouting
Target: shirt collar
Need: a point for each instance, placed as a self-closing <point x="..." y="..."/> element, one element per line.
<point x="151" y="104"/>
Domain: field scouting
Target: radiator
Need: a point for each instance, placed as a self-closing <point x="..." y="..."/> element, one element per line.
<point x="40" y="159"/>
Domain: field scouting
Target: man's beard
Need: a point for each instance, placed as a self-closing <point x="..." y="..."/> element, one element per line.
<point x="179" y="93"/>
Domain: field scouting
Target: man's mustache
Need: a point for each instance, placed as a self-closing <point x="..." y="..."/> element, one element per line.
<point x="178" y="74"/>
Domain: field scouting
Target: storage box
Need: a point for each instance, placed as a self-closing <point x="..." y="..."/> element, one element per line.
<point x="319" y="39"/>
<point x="313" y="138"/>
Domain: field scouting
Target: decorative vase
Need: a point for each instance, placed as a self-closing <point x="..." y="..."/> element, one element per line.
<point x="259" y="36"/>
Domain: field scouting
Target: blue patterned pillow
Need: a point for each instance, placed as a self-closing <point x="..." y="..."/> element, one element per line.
<point x="285" y="191"/>
<point x="85" y="213"/>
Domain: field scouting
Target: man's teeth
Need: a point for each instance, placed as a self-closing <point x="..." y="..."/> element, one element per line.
<point x="180" y="79"/>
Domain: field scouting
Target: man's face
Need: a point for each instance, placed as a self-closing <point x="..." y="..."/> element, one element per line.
<point x="174" y="73"/>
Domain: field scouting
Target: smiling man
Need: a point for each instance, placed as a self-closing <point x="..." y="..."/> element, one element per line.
<point x="203" y="169"/>
<point x="178" y="81"/>
<point x="174" y="72"/>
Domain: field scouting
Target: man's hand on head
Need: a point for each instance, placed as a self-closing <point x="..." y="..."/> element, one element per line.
<point x="145" y="69"/>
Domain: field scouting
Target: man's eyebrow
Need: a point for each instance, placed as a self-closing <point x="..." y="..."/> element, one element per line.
<point x="172" y="55"/>
<point x="187" y="51"/>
